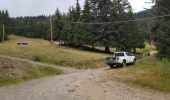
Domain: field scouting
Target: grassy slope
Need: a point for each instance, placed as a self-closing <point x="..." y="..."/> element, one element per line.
<point x="12" y="71"/>
<point x="41" y="50"/>
<point x="150" y="72"/>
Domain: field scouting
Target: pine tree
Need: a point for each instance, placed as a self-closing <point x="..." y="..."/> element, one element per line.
<point x="4" y="20"/>
<point x="57" y="25"/>
<point x="163" y="38"/>
<point x="103" y="7"/>
<point x="86" y="16"/>
<point x="88" y="36"/>
<point x="134" y="39"/>
<point x="68" y="34"/>
<point x="78" y="10"/>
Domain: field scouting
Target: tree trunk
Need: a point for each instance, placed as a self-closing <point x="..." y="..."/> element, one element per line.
<point x="117" y="49"/>
<point x="60" y="43"/>
<point x="92" y="47"/>
<point x="134" y="50"/>
<point x="107" y="49"/>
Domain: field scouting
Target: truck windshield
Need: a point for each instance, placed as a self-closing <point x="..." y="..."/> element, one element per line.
<point x="119" y="54"/>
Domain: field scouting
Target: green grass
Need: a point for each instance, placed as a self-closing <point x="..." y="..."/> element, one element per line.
<point x="17" y="71"/>
<point x="41" y="51"/>
<point x="37" y="72"/>
<point x="8" y="81"/>
<point x="149" y="72"/>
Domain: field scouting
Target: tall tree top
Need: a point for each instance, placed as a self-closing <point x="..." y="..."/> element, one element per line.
<point x="57" y="14"/>
<point x="78" y="10"/>
<point x="86" y="16"/>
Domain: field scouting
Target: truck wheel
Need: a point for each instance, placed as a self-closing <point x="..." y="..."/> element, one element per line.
<point x="111" y="66"/>
<point x="134" y="62"/>
<point x="124" y="63"/>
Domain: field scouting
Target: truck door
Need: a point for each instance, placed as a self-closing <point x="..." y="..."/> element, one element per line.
<point x="128" y="60"/>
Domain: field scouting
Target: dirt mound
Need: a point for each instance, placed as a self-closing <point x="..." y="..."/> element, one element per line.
<point x="12" y="68"/>
<point x="12" y="71"/>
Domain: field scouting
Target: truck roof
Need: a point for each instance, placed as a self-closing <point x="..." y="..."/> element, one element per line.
<point x="121" y="52"/>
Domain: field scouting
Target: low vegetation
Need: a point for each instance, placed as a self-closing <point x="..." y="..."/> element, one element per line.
<point x="12" y="71"/>
<point x="41" y="51"/>
<point x="149" y="72"/>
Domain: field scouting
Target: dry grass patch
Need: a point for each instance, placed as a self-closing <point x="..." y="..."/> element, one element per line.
<point x="150" y="72"/>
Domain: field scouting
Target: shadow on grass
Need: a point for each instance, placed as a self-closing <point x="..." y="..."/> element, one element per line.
<point x="87" y="48"/>
<point x="120" y="67"/>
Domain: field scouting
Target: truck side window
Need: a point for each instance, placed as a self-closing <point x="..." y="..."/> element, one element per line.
<point x="119" y="54"/>
<point x="128" y="54"/>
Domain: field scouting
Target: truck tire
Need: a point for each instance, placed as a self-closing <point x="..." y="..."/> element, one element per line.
<point x="124" y="63"/>
<point x="111" y="66"/>
<point x="134" y="62"/>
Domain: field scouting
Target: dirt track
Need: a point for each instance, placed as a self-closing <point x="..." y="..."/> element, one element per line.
<point x="83" y="85"/>
<point x="66" y="70"/>
<point x="78" y="85"/>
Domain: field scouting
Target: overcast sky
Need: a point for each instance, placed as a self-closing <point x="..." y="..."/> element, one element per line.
<point x="48" y="7"/>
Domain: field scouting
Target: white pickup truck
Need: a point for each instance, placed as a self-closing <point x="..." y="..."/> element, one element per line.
<point x="120" y="59"/>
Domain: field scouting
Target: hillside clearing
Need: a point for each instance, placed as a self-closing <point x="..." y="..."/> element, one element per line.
<point x="41" y="51"/>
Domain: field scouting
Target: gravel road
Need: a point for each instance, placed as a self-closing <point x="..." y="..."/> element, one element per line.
<point x="78" y="85"/>
<point x="81" y="85"/>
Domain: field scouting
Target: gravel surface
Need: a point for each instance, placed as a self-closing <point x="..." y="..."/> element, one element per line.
<point x="78" y="85"/>
<point x="82" y="85"/>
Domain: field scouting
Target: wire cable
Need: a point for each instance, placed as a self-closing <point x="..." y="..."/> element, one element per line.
<point x="117" y="22"/>
<point x="18" y="27"/>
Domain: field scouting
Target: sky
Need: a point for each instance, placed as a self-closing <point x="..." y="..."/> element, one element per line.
<point x="48" y="7"/>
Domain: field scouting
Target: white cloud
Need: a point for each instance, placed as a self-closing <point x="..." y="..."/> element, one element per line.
<point x="139" y="5"/>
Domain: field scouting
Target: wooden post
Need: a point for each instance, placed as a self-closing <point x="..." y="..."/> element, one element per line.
<point x="51" y="25"/>
<point x="3" y="34"/>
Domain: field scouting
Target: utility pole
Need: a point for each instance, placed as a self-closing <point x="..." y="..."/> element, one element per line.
<point x="51" y="25"/>
<point x="3" y="34"/>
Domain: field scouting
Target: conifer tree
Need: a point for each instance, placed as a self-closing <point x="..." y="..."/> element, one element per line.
<point x="163" y="37"/>
<point x="57" y="25"/>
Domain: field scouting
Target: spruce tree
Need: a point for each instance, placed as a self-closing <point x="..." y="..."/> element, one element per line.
<point x="88" y="36"/>
<point x="104" y="12"/>
<point x="4" y="20"/>
<point x="78" y="10"/>
<point x="57" y="25"/>
<point x="163" y="31"/>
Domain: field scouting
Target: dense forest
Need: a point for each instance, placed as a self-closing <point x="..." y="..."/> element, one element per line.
<point x="98" y="23"/>
<point x="4" y="20"/>
<point x="32" y="27"/>
<point x="89" y="26"/>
